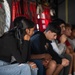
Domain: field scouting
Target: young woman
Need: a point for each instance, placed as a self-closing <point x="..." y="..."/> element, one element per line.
<point x="16" y="43"/>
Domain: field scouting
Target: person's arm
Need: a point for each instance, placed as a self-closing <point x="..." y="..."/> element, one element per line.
<point x="69" y="47"/>
<point x="44" y="56"/>
<point x="12" y="46"/>
<point x="58" y="48"/>
<point x="61" y="44"/>
<point x="54" y="55"/>
<point x="37" y="56"/>
<point x="61" y="47"/>
<point x="22" y="54"/>
<point x="55" y="47"/>
<point x="25" y="51"/>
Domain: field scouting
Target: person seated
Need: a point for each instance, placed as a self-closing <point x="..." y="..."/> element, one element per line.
<point x="71" y="38"/>
<point x="59" y="45"/>
<point x="42" y="49"/>
<point x="16" y="43"/>
<point x="70" y="50"/>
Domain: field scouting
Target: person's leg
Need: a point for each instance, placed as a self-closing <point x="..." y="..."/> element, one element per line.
<point x="34" y="68"/>
<point x="61" y="72"/>
<point x="74" y="63"/>
<point x="15" y="69"/>
<point x="51" y="68"/>
<point x="41" y="69"/>
<point x="3" y="63"/>
<point x="71" y="65"/>
<point x="68" y="69"/>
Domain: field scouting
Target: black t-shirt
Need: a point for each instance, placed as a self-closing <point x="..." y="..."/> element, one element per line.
<point x="40" y="45"/>
<point x="9" y="47"/>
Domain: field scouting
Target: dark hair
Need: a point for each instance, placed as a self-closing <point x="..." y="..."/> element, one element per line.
<point x="23" y="23"/>
<point x="59" y="21"/>
<point x="73" y="27"/>
<point x="52" y="27"/>
<point x="20" y="26"/>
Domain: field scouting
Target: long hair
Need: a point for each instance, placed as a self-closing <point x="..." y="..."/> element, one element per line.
<point x="20" y="26"/>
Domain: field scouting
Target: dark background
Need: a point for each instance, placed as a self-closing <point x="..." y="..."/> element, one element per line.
<point x="71" y="11"/>
<point x="61" y="10"/>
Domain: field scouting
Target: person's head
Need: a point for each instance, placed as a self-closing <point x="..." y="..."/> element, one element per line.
<point x="60" y="24"/>
<point x="73" y="31"/>
<point x="51" y="31"/>
<point x="24" y="26"/>
<point x="68" y="30"/>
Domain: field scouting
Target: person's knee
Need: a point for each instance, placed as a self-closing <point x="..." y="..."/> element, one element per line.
<point x="52" y="64"/>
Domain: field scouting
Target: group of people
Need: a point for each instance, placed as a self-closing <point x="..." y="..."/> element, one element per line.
<point x="24" y="50"/>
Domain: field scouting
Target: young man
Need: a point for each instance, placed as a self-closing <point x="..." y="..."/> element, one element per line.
<point x="41" y="48"/>
<point x="60" y="46"/>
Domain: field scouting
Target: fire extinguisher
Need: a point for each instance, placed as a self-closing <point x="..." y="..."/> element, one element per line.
<point x="43" y="17"/>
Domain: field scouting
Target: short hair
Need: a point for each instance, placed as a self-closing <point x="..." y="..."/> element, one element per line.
<point x="68" y="25"/>
<point x="52" y="27"/>
<point x="59" y="21"/>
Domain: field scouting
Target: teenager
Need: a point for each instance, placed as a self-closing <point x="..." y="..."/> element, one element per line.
<point x="71" y="39"/>
<point x="70" y="49"/>
<point x="42" y="48"/>
<point x="61" y="46"/>
<point x="16" y="43"/>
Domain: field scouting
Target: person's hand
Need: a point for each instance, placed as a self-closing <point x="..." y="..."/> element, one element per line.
<point x="27" y="37"/>
<point x="63" y="38"/>
<point x="45" y="62"/>
<point x="46" y="59"/>
<point x="32" y="64"/>
<point x="65" y="62"/>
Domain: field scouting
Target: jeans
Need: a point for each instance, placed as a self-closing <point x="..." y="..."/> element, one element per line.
<point x="16" y="69"/>
<point x="41" y="69"/>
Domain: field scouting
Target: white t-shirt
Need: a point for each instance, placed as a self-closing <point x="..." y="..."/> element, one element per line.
<point x="58" y="47"/>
